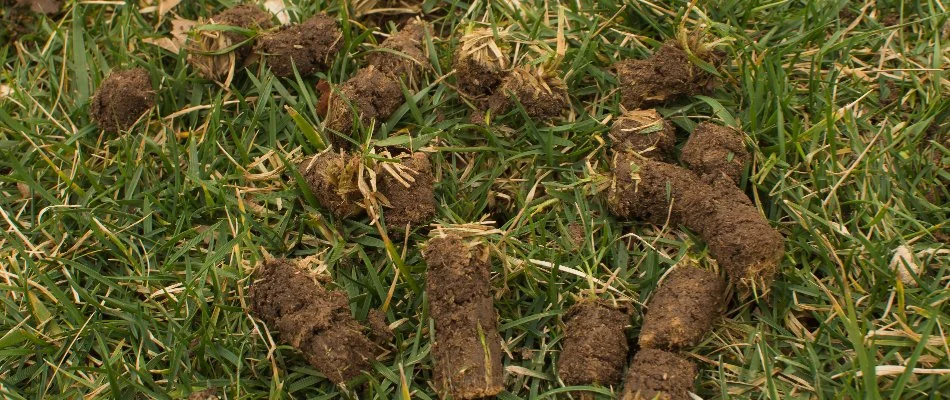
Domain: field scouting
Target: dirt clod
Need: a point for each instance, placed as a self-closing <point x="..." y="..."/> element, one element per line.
<point x="595" y="347"/>
<point x="378" y="328"/>
<point x="683" y="309"/>
<point x="657" y="374"/>
<point x="310" y="46"/>
<point x="480" y="63"/>
<point x="371" y="93"/>
<point x="312" y="319"/>
<point x="403" y="55"/>
<point x="411" y="205"/>
<point x="206" y="47"/>
<point x="122" y="98"/>
<point x="333" y="179"/>
<point x="714" y="150"/>
<point x="666" y="75"/>
<point x="467" y="347"/>
<point x="543" y="96"/>
<point x="41" y="6"/>
<point x="644" y="132"/>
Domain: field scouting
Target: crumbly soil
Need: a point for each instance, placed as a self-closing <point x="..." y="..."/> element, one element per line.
<point x="378" y="328"/>
<point x="595" y="348"/>
<point x="657" y="374"/>
<point x="312" y="319"/>
<point x="644" y="132"/>
<point x="403" y="55"/>
<point x="121" y="99"/>
<point x="480" y="63"/>
<point x="467" y="346"/>
<point x="203" y="48"/>
<point x="413" y="205"/>
<point x="373" y="94"/>
<point x="739" y="237"/>
<point x="666" y="75"/>
<point x="714" y="150"/>
<point x="543" y="96"/>
<point x="311" y="46"/>
<point x="683" y="310"/>
<point x="333" y="179"/>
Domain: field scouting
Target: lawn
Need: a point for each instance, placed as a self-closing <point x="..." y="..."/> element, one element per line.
<point x="126" y="258"/>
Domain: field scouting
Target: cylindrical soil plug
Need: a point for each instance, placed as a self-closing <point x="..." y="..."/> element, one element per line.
<point x="595" y="346"/>
<point x="657" y="374"/>
<point x="683" y="309"/>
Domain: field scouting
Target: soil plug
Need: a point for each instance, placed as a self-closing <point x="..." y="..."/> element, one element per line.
<point x="334" y="180"/>
<point x="656" y="374"/>
<point x="409" y="189"/>
<point x="122" y="98"/>
<point x="644" y="132"/>
<point x="595" y="347"/>
<point x="683" y="310"/>
<point x="310" y="46"/>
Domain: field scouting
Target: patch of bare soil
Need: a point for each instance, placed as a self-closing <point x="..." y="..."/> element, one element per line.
<point x="595" y="348"/>
<point x="121" y="99"/>
<point x="543" y="95"/>
<point x="312" y="319"/>
<point x="409" y="189"/>
<point x="467" y="347"/>
<point x="310" y="46"/>
<point x="333" y="179"/>
<point x="656" y="374"/>
<point x="683" y="310"/>
<point x="644" y="132"/>
<point x="208" y="50"/>
<point x="713" y="151"/>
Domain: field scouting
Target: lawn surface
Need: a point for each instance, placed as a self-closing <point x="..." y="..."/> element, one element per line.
<point x="125" y="258"/>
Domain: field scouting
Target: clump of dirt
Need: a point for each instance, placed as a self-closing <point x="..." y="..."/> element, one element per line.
<point x="644" y="132"/>
<point x="467" y="347"/>
<point x="656" y="374"/>
<point x="543" y="95"/>
<point x="378" y="328"/>
<point x="595" y="347"/>
<point x="372" y="94"/>
<point x="312" y="319"/>
<point x="480" y="63"/>
<point x="380" y="12"/>
<point x="310" y="46"/>
<point x="208" y="49"/>
<point x="713" y="151"/>
<point x="403" y="54"/>
<point x="121" y="99"/>
<point x="409" y="189"/>
<point x="739" y="237"/>
<point x="334" y="180"/>
<point x="41" y="6"/>
<point x="666" y="75"/>
<point x="683" y="309"/>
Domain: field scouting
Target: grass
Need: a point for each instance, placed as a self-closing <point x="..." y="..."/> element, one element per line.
<point x="126" y="258"/>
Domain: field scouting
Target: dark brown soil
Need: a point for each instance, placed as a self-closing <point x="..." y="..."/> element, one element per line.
<point x="467" y="347"/>
<point x="683" y="309"/>
<point x="333" y="179"/>
<point x="203" y="49"/>
<point x="666" y="75"/>
<point x="644" y="132"/>
<point x="659" y="375"/>
<point x="373" y="94"/>
<point x="543" y="96"/>
<point x="714" y="150"/>
<point x="413" y="205"/>
<point x="312" y="319"/>
<point x="378" y="328"/>
<point x="595" y="348"/>
<point x="739" y="237"/>
<point x="41" y="6"/>
<point x="403" y="55"/>
<point x="480" y="63"/>
<point x="122" y="98"/>
<point x="311" y="46"/>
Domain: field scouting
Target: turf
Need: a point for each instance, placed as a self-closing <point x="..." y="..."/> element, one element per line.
<point x="125" y="259"/>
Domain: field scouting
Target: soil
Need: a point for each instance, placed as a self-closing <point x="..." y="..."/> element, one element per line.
<point x="714" y="150"/>
<point x="480" y="63"/>
<point x="333" y="179"/>
<point x="312" y="319"/>
<point x="311" y="46"/>
<point x="467" y="347"/>
<point x="200" y="48"/>
<point x="403" y="55"/>
<point x="644" y="132"/>
<point x="378" y="328"/>
<point x="683" y="309"/>
<point x="381" y="12"/>
<point x="413" y="205"/>
<point x="595" y="348"/>
<point x="543" y="96"/>
<point x="373" y="94"/>
<point x="122" y="98"/>
<point x="739" y="237"/>
<point x="657" y="374"/>
<point x="666" y="75"/>
<point x="41" y="6"/>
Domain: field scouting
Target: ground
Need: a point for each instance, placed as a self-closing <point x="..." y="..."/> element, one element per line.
<point x="126" y="257"/>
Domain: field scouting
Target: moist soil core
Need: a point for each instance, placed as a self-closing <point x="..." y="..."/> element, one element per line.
<point x="644" y="132"/>
<point x="310" y="46"/>
<point x="664" y="76"/>
<point x="480" y="63"/>
<point x="713" y="151"/>
<point x="121" y="99"/>
<point x="203" y="49"/>
<point x="595" y="346"/>
<point x="402" y="55"/>
<point x="312" y="319"/>
<point x="467" y="347"/>
<point x="371" y="93"/>
<point x="543" y="96"/>
<point x="683" y="310"/>
<point x="657" y="374"/>
<point x="333" y="179"/>
<point x="411" y="205"/>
